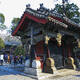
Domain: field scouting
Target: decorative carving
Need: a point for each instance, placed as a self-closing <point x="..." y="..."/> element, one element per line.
<point x="50" y="67"/>
<point x="47" y="39"/>
<point x="59" y="36"/>
<point x="50" y="62"/>
<point x="70" y="62"/>
<point x="57" y="22"/>
<point x="28" y="6"/>
<point x="41" y="5"/>
<point x="78" y="43"/>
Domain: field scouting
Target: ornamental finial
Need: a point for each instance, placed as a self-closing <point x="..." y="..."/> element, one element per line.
<point x="41" y="5"/>
<point x="28" y="6"/>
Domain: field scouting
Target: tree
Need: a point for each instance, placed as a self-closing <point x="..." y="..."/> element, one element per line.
<point x="19" y="51"/>
<point x="70" y="10"/>
<point x="2" y="45"/>
<point x="2" y="20"/>
<point x="2" y="26"/>
<point x="14" y="23"/>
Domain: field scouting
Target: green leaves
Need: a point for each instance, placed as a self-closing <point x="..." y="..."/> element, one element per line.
<point x="15" y="20"/>
<point x="19" y="50"/>
<point x="2" y="45"/>
<point x="2" y="27"/>
<point x="2" y="18"/>
<point x="70" y="10"/>
<point x="14" y="23"/>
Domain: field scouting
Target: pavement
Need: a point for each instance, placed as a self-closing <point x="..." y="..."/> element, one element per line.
<point x="70" y="75"/>
<point x="10" y="72"/>
<point x="10" y="76"/>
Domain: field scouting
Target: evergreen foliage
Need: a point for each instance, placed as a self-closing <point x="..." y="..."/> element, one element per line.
<point x="2" y="45"/>
<point x="14" y="23"/>
<point x="19" y="51"/>
<point x="70" y="10"/>
<point x="2" y="20"/>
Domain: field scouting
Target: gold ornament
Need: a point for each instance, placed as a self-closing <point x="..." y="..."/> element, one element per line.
<point x="47" y="39"/>
<point x="59" y="36"/>
<point x="78" y="43"/>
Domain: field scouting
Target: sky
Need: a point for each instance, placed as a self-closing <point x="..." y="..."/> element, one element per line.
<point x="15" y="8"/>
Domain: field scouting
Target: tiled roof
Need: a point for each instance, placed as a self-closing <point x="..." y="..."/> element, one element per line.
<point x="43" y="12"/>
<point x="44" y="15"/>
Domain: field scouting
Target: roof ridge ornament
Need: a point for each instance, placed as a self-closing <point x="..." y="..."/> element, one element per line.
<point x="41" y="5"/>
<point x="28" y="6"/>
<point x="43" y="8"/>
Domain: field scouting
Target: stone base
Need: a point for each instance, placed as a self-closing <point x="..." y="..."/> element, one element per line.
<point x="45" y="76"/>
<point x="71" y="64"/>
<point x="51" y="70"/>
<point x="50" y="67"/>
<point x="33" y="71"/>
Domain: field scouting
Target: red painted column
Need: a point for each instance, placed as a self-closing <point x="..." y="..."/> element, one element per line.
<point x="63" y="56"/>
<point x="69" y="51"/>
<point x="48" y="52"/>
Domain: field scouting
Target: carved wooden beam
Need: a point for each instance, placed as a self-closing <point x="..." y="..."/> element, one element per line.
<point x="57" y="22"/>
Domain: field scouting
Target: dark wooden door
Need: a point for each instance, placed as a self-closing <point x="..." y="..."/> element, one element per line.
<point x="56" y="53"/>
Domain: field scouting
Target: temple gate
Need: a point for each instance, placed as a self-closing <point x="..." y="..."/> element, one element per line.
<point x="50" y="39"/>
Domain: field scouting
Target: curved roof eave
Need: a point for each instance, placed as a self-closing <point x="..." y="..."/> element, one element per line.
<point x="29" y="16"/>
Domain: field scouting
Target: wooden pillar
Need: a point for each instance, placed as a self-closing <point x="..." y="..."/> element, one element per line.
<point x="63" y="56"/>
<point x="31" y="35"/>
<point x="46" y="54"/>
<point x="49" y="66"/>
<point x="46" y="50"/>
<point x="32" y="48"/>
<point x="69" y="51"/>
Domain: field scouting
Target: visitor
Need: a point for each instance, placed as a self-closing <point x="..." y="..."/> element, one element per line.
<point x="5" y="58"/>
<point x="11" y="58"/>
<point x="15" y="60"/>
<point x="8" y="58"/>
<point x="21" y="59"/>
<point x="1" y="59"/>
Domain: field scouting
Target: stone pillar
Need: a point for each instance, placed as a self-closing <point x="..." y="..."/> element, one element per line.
<point x="70" y="63"/>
